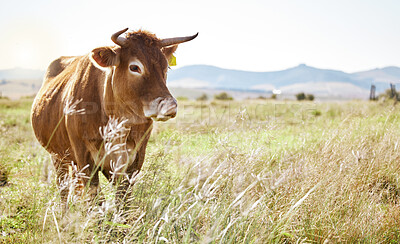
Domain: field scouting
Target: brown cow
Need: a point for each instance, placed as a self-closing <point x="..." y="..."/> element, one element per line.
<point x="95" y="112"/>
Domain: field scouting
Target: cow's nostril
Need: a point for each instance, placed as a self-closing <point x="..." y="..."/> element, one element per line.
<point x="169" y="110"/>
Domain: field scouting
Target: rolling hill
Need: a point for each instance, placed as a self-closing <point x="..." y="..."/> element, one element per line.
<point x="18" y="82"/>
<point x="21" y="74"/>
<point x="297" y="79"/>
<point x="203" y="78"/>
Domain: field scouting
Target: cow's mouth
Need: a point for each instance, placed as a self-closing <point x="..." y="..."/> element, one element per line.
<point x="161" y="117"/>
<point x="161" y="109"/>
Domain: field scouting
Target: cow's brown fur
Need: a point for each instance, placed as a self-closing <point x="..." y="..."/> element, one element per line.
<point x="72" y="137"/>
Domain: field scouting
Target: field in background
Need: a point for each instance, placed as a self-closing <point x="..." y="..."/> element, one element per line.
<point x="253" y="171"/>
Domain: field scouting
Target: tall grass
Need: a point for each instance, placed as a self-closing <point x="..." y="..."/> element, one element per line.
<point x="224" y="172"/>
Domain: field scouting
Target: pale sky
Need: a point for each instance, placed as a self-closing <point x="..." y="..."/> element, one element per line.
<point x="254" y="35"/>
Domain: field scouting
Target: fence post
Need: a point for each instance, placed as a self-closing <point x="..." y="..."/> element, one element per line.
<point x="372" y="96"/>
<point x="393" y="91"/>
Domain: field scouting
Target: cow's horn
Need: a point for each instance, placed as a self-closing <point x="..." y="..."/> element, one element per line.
<point x="177" y="40"/>
<point x="119" y="40"/>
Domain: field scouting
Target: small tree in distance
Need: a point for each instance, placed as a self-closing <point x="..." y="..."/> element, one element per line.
<point x="203" y="97"/>
<point x="223" y="96"/>
<point x="302" y="96"/>
<point x="310" y="97"/>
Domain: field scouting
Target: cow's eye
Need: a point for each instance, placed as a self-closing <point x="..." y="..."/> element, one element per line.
<point x="135" y="68"/>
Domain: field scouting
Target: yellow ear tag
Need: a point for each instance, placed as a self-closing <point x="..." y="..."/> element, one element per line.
<point x="172" y="61"/>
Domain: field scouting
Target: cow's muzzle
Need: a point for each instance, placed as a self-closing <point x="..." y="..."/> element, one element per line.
<point x="161" y="109"/>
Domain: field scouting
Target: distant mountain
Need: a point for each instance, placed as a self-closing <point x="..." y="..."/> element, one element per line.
<point x="18" y="82"/>
<point x="385" y="75"/>
<point x="302" y="78"/>
<point x="293" y="80"/>
<point x="21" y="74"/>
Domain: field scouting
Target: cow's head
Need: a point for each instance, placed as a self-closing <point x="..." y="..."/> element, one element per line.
<point x="140" y="64"/>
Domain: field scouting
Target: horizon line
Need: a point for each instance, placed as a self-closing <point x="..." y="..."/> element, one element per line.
<point x="232" y="69"/>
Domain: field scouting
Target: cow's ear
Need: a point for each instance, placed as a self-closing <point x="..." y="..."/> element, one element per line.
<point x="105" y="56"/>
<point x="169" y="51"/>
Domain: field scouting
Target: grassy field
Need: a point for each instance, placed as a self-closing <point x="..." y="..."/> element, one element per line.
<point x="223" y="172"/>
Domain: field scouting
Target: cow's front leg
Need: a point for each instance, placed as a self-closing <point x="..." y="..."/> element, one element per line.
<point x="135" y="159"/>
<point x="120" y="176"/>
<point x="85" y="177"/>
<point x="124" y="188"/>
